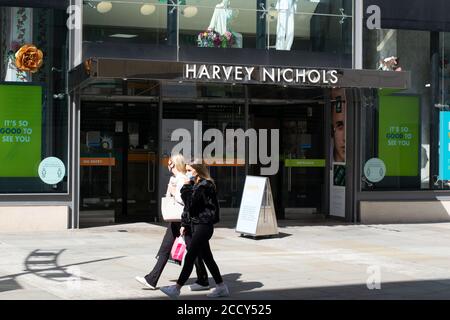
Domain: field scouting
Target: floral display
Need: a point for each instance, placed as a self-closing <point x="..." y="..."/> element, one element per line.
<point x="29" y="58"/>
<point x="212" y="39"/>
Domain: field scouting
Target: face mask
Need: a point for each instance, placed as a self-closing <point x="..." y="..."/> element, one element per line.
<point x="189" y="175"/>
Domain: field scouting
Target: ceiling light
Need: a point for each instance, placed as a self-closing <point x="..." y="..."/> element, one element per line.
<point x="104" y="6"/>
<point x="123" y="35"/>
<point x="273" y="14"/>
<point x="190" y="11"/>
<point x="148" y="9"/>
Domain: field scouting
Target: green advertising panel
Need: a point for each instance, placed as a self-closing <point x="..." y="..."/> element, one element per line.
<point x="20" y="130"/>
<point x="398" y="134"/>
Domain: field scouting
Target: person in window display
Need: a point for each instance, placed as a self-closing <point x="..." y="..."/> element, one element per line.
<point x="339" y="106"/>
<point x="285" y="26"/>
<point x="221" y="20"/>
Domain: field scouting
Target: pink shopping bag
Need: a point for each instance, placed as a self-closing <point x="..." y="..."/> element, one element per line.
<point x="178" y="249"/>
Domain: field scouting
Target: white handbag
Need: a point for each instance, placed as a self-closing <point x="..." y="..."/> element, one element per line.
<point x="171" y="210"/>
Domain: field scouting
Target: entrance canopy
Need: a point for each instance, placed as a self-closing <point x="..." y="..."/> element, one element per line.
<point x="105" y="68"/>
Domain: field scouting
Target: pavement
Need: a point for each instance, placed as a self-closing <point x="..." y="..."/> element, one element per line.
<point x="306" y="261"/>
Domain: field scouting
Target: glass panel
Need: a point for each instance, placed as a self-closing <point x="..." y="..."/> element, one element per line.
<point x="125" y="22"/>
<point x="34" y="107"/>
<point x="299" y="185"/>
<point x="142" y="161"/>
<point x="391" y="133"/>
<point x="313" y="26"/>
<point x="102" y="147"/>
<point x="283" y="25"/>
<point x="217" y="111"/>
<point x="119" y="160"/>
<point x="387" y="133"/>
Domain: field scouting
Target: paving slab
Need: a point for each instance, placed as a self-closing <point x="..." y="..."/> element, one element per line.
<point x="309" y="261"/>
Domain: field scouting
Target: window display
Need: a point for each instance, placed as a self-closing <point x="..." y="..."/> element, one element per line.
<point x="285" y="26"/>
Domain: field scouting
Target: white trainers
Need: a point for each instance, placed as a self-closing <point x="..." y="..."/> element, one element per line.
<point x="219" y="291"/>
<point x="144" y="282"/>
<point x="171" y="291"/>
<point x="198" y="287"/>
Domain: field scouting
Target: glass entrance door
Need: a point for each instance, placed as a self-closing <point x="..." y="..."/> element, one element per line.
<point x="118" y="158"/>
<point x="303" y="159"/>
<point x="142" y="163"/>
<point x="299" y="186"/>
<point x="229" y="178"/>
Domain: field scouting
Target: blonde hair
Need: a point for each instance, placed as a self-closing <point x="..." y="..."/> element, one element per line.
<point x="179" y="162"/>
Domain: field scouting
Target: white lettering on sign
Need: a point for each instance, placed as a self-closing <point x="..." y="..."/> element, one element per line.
<point x="266" y="74"/>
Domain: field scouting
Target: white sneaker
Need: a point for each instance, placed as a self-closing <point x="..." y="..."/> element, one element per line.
<point x="198" y="287"/>
<point x="144" y="282"/>
<point x="219" y="291"/>
<point x="171" y="291"/>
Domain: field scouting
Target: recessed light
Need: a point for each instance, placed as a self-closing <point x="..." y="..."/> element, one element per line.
<point x="189" y="11"/>
<point x="148" y="9"/>
<point x="104" y="6"/>
<point x="123" y="35"/>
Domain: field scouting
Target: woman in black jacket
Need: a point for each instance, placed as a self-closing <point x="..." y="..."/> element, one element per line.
<point x="201" y="212"/>
<point x="177" y="167"/>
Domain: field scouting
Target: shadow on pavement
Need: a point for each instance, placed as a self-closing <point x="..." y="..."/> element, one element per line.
<point x="9" y="284"/>
<point x="407" y="290"/>
<point x="44" y="264"/>
<point x="232" y="281"/>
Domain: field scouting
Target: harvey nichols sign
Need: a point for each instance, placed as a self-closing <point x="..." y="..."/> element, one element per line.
<point x="270" y="75"/>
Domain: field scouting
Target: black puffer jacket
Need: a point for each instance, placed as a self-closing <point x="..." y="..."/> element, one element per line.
<point x="200" y="203"/>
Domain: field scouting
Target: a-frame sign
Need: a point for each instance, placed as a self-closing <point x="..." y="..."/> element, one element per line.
<point x="257" y="212"/>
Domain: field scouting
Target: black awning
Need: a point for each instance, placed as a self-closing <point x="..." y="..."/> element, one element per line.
<point x="53" y="4"/>
<point x="429" y="15"/>
<point x="105" y="68"/>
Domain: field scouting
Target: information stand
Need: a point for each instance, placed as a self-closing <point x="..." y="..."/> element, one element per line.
<point x="257" y="212"/>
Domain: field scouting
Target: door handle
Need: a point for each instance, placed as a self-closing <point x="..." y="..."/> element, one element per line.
<point x="148" y="172"/>
<point x="153" y="186"/>
<point x="235" y="178"/>
<point x="110" y="176"/>
<point x="290" y="179"/>
<point x="290" y="176"/>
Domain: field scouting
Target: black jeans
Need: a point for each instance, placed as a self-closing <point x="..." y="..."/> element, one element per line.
<point x="199" y="249"/>
<point x="172" y="232"/>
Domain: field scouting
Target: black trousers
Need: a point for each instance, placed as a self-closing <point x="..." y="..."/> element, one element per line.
<point x="172" y="232"/>
<point x="199" y="249"/>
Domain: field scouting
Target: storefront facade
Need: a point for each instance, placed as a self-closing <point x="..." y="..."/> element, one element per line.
<point x="295" y="73"/>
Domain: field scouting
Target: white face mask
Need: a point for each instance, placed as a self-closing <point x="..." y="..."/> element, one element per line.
<point x="189" y="175"/>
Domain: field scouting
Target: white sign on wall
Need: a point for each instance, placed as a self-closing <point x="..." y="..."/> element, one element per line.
<point x="257" y="213"/>
<point x="375" y="170"/>
<point x="52" y="170"/>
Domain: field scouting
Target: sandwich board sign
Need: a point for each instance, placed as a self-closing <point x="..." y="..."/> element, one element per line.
<point x="257" y="212"/>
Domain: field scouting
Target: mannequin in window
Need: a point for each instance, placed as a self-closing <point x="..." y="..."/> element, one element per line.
<point x="285" y="26"/>
<point x="12" y="73"/>
<point x="220" y="20"/>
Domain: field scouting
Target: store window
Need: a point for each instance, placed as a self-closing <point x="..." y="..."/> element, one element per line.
<point x="402" y="141"/>
<point x="283" y="25"/>
<point x="34" y="108"/>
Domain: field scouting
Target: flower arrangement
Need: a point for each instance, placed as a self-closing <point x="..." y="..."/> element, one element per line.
<point x="212" y="39"/>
